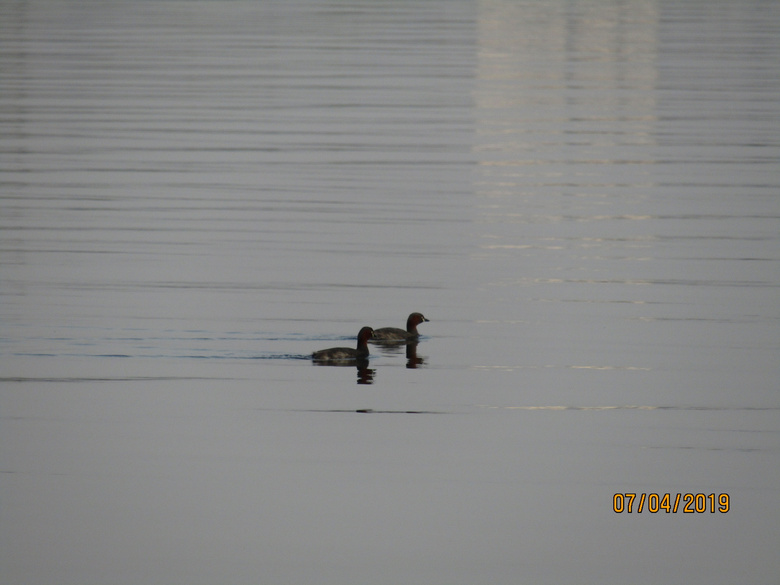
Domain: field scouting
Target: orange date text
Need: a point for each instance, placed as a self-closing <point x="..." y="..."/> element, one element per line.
<point x="637" y="503"/>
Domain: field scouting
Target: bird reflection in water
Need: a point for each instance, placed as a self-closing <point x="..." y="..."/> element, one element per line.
<point x="412" y="360"/>
<point x="396" y="347"/>
<point x="365" y="375"/>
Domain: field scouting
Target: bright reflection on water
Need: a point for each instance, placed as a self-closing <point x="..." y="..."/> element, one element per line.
<point x="581" y="196"/>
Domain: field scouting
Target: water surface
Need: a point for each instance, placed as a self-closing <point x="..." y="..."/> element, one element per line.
<point x="582" y="197"/>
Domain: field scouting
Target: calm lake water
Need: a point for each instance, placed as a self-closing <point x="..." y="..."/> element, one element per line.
<point x="582" y="196"/>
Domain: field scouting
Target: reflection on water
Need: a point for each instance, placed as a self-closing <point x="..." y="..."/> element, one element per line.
<point x="365" y="375"/>
<point x="413" y="361"/>
<point x="409" y="348"/>
<point x="599" y="196"/>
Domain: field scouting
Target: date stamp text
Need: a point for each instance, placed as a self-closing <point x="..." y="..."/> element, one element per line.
<point x="671" y="503"/>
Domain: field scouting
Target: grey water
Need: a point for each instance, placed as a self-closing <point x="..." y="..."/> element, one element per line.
<point x="582" y="196"/>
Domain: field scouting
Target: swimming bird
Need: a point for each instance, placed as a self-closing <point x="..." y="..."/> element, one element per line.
<point x="342" y="354"/>
<point x="396" y="334"/>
